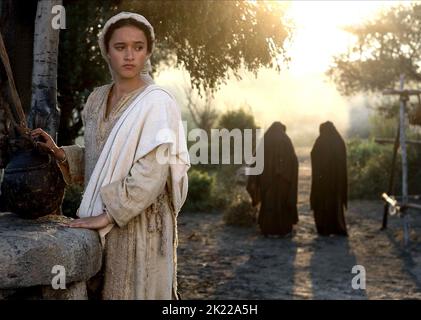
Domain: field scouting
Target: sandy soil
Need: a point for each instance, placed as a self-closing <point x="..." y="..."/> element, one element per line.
<point x="216" y="261"/>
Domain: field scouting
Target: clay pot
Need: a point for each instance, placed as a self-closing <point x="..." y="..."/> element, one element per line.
<point x="33" y="185"/>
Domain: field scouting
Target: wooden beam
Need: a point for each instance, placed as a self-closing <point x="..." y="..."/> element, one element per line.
<point x="411" y="206"/>
<point x="390" y="201"/>
<point x="402" y="92"/>
<point x="388" y="140"/>
<point x="412" y="196"/>
<point x="400" y="206"/>
<point x="391" y="178"/>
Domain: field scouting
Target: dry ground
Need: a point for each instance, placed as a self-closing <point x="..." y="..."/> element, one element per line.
<point x="216" y="261"/>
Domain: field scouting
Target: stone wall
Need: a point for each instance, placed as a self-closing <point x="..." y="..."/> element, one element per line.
<point x="30" y="250"/>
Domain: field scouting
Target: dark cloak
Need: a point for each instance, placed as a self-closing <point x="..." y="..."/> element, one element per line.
<point x="329" y="183"/>
<point x="276" y="187"/>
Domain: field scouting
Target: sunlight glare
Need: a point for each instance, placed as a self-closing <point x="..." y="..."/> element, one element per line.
<point x="318" y="33"/>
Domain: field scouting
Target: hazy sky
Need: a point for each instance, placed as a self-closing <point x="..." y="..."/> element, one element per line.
<point x="301" y="96"/>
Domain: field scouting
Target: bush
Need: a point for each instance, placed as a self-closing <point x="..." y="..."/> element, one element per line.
<point x="381" y="127"/>
<point x="369" y="169"/>
<point x="238" y="119"/>
<point x="201" y="186"/>
<point x="369" y="164"/>
<point x="240" y="212"/>
<point x="212" y="191"/>
<point x="215" y="186"/>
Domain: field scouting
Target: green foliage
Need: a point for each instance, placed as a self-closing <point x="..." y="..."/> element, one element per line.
<point x="201" y="187"/>
<point x="381" y="127"/>
<point x="209" y="39"/>
<point x="369" y="167"/>
<point x="387" y="46"/>
<point x="214" y="190"/>
<point x="80" y="65"/>
<point x="369" y="163"/>
<point x="240" y="212"/>
<point x="227" y="183"/>
<point x="240" y="118"/>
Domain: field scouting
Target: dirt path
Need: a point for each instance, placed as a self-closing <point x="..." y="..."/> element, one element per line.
<point x="222" y="262"/>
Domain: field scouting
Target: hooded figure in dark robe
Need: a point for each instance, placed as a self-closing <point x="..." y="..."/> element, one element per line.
<point x="329" y="184"/>
<point x="276" y="187"/>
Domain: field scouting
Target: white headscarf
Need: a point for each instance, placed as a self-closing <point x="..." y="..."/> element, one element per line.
<point x="145" y="73"/>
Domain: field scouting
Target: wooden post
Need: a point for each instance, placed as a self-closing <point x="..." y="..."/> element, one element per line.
<point x="404" y="97"/>
<point x="392" y="178"/>
<point x="402" y="118"/>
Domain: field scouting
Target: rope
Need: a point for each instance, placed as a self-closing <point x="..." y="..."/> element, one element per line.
<point x="14" y="94"/>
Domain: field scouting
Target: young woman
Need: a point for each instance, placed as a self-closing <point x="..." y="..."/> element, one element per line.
<point x="133" y="166"/>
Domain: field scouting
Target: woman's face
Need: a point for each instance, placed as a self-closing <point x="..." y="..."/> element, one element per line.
<point x="127" y="51"/>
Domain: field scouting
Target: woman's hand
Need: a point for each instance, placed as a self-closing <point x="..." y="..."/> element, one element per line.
<point x="47" y="144"/>
<point x="92" y="223"/>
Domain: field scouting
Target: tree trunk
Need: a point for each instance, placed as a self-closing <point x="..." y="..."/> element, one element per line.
<point x="30" y="175"/>
<point x="44" y="110"/>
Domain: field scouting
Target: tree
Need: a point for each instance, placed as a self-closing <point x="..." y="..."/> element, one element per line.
<point x="32" y="44"/>
<point x="209" y="39"/>
<point x="204" y="114"/>
<point x="44" y="112"/>
<point x="242" y="118"/>
<point x="386" y="46"/>
<point x="80" y="67"/>
<point x="21" y="189"/>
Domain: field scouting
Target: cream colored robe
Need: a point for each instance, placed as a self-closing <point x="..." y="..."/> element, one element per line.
<point x="140" y="254"/>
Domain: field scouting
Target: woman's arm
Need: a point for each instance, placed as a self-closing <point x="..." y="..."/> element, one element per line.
<point x="71" y="159"/>
<point x="127" y="198"/>
<point x="73" y="165"/>
<point x="94" y="223"/>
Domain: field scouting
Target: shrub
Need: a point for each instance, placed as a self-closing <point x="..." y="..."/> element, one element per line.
<point x="369" y="169"/>
<point x="240" y="118"/>
<point x="240" y="212"/>
<point x="201" y="185"/>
